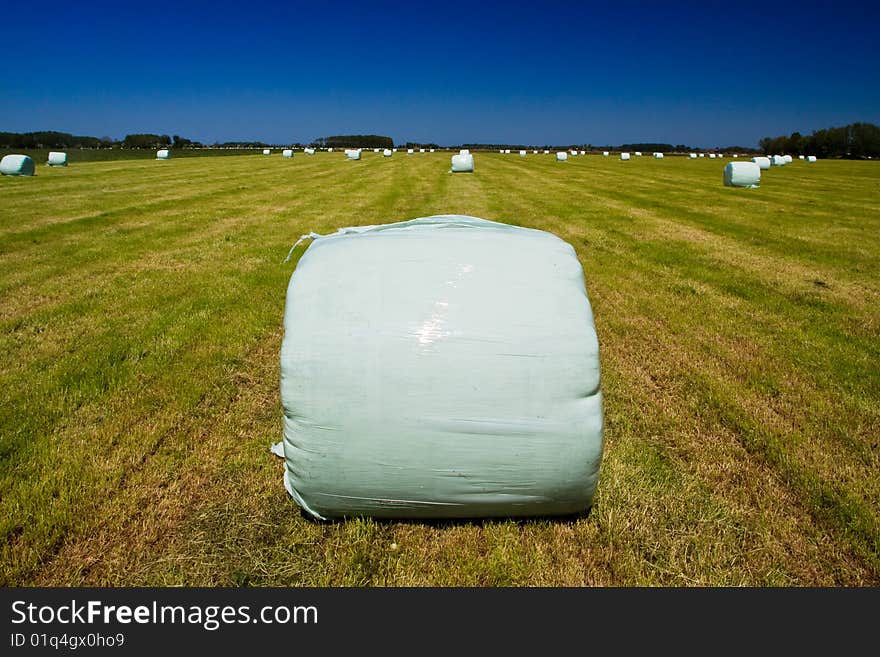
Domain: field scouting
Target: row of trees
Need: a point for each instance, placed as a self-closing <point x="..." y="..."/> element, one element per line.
<point x="51" y="139"/>
<point x="354" y="141"/>
<point x="857" y="140"/>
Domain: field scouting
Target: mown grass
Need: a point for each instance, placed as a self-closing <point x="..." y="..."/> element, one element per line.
<point x="140" y="324"/>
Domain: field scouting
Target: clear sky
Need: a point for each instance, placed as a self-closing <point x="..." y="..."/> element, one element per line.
<point x="699" y="73"/>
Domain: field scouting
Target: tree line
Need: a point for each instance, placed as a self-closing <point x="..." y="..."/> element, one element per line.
<point x="857" y="140"/>
<point x="354" y="141"/>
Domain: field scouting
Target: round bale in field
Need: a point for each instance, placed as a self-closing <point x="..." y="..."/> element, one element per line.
<point x="386" y="152"/>
<point x="57" y="159"/>
<point x="778" y="161"/>
<point x="762" y="162"/>
<point x="605" y="153"/>
<point x="522" y="153"/>
<point x="692" y="156"/>
<point x="287" y="152"/>
<point x="463" y="163"/>
<point x="561" y="156"/>
<point x="163" y="154"/>
<point x="742" y="174"/>
<point x="811" y="158"/>
<point x="711" y="156"/>
<point x="638" y="153"/>
<point x="266" y="151"/>
<point x="17" y="165"/>
<point x="309" y="151"/>
<point x="376" y="421"/>
<point x="624" y="156"/>
<point x="410" y="151"/>
<point x="788" y="159"/>
<point x="352" y="153"/>
<point x="658" y="156"/>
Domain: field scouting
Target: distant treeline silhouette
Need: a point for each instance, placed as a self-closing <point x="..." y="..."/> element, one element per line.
<point x="354" y="141"/>
<point x="857" y="140"/>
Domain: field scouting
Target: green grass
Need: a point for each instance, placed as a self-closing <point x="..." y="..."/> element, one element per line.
<point x="140" y="325"/>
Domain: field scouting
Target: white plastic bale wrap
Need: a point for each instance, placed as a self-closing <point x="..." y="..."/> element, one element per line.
<point x="562" y="156"/>
<point x="163" y="154"/>
<point x="658" y="156"/>
<point x="415" y="384"/>
<point x="266" y="151"/>
<point x="778" y="161"/>
<point x="57" y="159"/>
<point x="762" y="162"/>
<point x="462" y="163"/>
<point x="624" y="156"/>
<point x="309" y="151"/>
<point x="386" y="152"/>
<point x="409" y="151"/>
<point x="692" y="156"/>
<point x="352" y="154"/>
<point x="605" y="153"/>
<point x="522" y="153"/>
<point x="287" y="152"/>
<point x="742" y="174"/>
<point x="17" y="165"/>
<point x="638" y="153"/>
<point x="788" y="159"/>
<point x="811" y="158"/>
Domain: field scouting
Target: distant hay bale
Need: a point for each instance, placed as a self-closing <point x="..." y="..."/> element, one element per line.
<point x="711" y="156"/>
<point x="702" y="155"/>
<point x="535" y="152"/>
<point x="522" y="153"/>
<point x="801" y="157"/>
<point x="57" y="159"/>
<point x="638" y="153"/>
<point x="778" y="161"/>
<point x="507" y="151"/>
<point x="742" y="174"/>
<point x="735" y="155"/>
<point x="462" y="163"/>
<point x="352" y="154"/>
<point x="375" y="150"/>
<point x="658" y="156"/>
<point x="287" y="152"/>
<point x="163" y="154"/>
<point x="762" y="162"/>
<point x="464" y="151"/>
<point x="309" y="151"/>
<point x="421" y="150"/>
<point x="811" y="158"/>
<point x="266" y="151"/>
<point x="624" y="157"/>
<point x="561" y="156"/>
<point x="329" y="150"/>
<point x="432" y="150"/>
<point x="546" y="152"/>
<point x="605" y="153"/>
<point x="410" y="151"/>
<point x="386" y="153"/>
<point x="583" y="152"/>
<point x="17" y="165"/>
<point x="720" y="154"/>
<point x="788" y="159"/>
<point x="693" y="156"/>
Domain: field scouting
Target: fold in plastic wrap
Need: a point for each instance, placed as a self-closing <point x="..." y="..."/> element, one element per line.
<point x="441" y="367"/>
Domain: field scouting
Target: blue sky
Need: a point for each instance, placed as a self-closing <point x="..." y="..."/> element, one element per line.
<point x="699" y="73"/>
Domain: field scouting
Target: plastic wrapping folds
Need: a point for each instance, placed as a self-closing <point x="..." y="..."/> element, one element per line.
<point x="441" y="367"/>
<point x="16" y="165"/>
<point x="462" y="163"/>
<point x="742" y="174"/>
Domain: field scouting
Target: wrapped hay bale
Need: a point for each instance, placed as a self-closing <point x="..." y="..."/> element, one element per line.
<point x="638" y="153"/>
<point x="352" y="153"/>
<point x="742" y="174"/>
<point x="464" y="151"/>
<point x="17" y="165"/>
<point x="409" y="151"/>
<point x="462" y="163"/>
<point x="658" y="156"/>
<point x="375" y="150"/>
<point x="762" y="162"/>
<point x="57" y="159"/>
<point x="309" y="151"/>
<point x="801" y="157"/>
<point x="287" y="152"/>
<point x="561" y="156"/>
<point x="624" y="157"/>
<point x="522" y="153"/>
<point x="415" y="386"/>
<point x="711" y="156"/>
<point x="811" y="158"/>
<point x="692" y="156"/>
<point x="266" y="151"/>
<point x="777" y="161"/>
<point x="788" y="159"/>
<point x="605" y="153"/>
<point x="546" y="152"/>
<point x="163" y="154"/>
<point x="386" y="153"/>
<point x="702" y="155"/>
<point x="432" y="150"/>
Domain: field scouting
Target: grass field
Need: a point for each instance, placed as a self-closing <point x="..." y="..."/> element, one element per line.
<point x="140" y="320"/>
